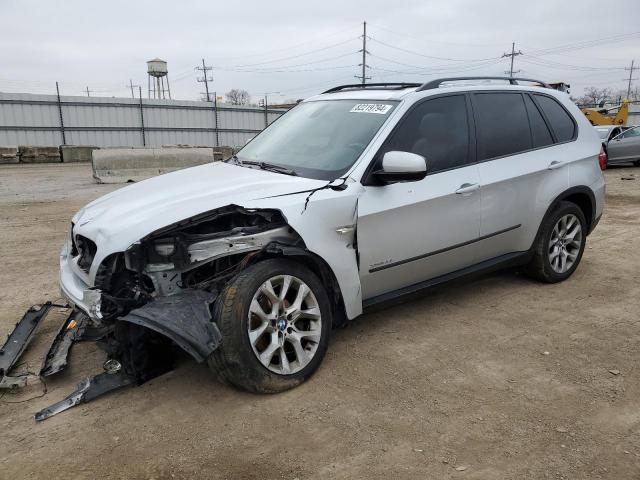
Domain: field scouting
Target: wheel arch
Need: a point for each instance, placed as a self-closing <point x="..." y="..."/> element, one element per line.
<point x="317" y="265"/>
<point x="583" y="197"/>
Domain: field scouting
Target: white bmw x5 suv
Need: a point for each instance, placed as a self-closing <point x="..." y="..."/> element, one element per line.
<point x="356" y="196"/>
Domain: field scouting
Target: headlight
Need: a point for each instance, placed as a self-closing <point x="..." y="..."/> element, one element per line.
<point x="165" y="249"/>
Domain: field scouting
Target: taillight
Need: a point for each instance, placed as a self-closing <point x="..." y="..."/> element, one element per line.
<point x="602" y="158"/>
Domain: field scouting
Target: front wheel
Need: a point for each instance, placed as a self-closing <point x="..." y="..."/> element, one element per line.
<point x="275" y="321"/>
<point x="558" y="249"/>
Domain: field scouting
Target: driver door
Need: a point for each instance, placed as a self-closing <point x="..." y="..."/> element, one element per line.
<point x="625" y="146"/>
<point x="411" y="232"/>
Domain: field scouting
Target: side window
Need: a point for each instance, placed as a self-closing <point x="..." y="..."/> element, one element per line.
<point x="540" y="133"/>
<point x="438" y="130"/>
<point x="502" y="125"/>
<point x="632" y="132"/>
<point x="561" y="123"/>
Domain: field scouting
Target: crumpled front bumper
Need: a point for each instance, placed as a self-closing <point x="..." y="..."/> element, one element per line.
<point x="75" y="289"/>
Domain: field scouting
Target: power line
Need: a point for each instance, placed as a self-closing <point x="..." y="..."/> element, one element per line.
<point x="566" y="66"/>
<point x="284" y="68"/>
<point x="296" y="56"/>
<point x="312" y="86"/>
<point x="433" y="41"/>
<point x="364" y="51"/>
<point x="205" y="78"/>
<point x="428" y="56"/>
<point x="440" y="67"/>
<point x="586" y="44"/>
<point x="449" y="70"/>
<point x="513" y="55"/>
<point x="288" y="48"/>
<point x="299" y="70"/>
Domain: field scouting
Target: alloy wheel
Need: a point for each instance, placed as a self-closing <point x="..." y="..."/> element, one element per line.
<point x="285" y="324"/>
<point x="565" y="243"/>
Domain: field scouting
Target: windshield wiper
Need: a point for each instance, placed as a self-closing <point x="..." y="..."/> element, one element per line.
<point x="270" y="167"/>
<point x="233" y="158"/>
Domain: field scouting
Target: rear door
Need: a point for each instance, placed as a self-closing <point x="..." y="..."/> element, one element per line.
<point x="625" y="147"/>
<point x="521" y="167"/>
<point x="411" y="232"/>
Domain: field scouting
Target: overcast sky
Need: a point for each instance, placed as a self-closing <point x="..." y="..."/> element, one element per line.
<point x="292" y="49"/>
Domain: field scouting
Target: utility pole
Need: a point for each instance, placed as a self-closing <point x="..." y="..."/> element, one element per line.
<point x="364" y="51"/>
<point x="631" y="69"/>
<point x="131" y="85"/>
<point x="205" y="78"/>
<point x="513" y="55"/>
<point x="88" y="91"/>
<point x="64" y="138"/>
<point x="144" y="139"/>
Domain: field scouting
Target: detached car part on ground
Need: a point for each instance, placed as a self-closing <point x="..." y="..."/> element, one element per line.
<point x="355" y="197"/>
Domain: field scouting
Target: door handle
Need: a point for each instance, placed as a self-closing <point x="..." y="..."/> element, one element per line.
<point x="555" y="164"/>
<point x="466" y="188"/>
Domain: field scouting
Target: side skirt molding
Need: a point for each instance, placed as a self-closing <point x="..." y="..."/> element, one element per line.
<point x="503" y="261"/>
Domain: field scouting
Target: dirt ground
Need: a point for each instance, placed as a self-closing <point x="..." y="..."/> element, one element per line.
<point x="499" y="377"/>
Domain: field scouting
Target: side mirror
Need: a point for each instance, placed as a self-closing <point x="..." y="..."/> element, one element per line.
<point x="401" y="167"/>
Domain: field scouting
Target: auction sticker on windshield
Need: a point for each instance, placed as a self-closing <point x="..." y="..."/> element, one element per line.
<point x="380" y="108"/>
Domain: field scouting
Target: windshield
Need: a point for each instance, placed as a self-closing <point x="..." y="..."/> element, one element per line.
<point x="603" y="132"/>
<point x="319" y="139"/>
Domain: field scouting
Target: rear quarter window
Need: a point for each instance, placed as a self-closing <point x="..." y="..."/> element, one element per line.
<point x="558" y="118"/>
<point x="539" y="131"/>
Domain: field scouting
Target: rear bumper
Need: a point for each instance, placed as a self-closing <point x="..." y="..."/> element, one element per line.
<point x="594" y="223"/>
<point x="599" y="189"/>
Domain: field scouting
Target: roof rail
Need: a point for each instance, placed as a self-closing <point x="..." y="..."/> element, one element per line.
<point x="512" y="80"/>
<point x="360" y="86"/>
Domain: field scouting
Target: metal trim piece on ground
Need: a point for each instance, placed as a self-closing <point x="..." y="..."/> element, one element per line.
<point x="18" y="340"/>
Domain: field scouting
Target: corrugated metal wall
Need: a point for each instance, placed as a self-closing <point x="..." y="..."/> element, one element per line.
<point x="27" y="119"/>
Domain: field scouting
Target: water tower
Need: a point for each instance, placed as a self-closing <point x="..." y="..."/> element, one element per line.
<point x="157" y="73"/>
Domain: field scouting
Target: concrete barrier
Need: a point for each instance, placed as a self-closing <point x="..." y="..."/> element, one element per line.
<point x="219" y="153"/>
<point x="222" y="153"/>
<point x="30" y="154"/>
<point x="76" y="153"/>
<point x="121" y="165"/>
<point x="9" y="155"/>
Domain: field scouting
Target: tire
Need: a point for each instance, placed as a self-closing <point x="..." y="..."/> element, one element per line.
<point x="303" y="341"/>
<point x="541" y="266"/>
<point x="636" y="163"/>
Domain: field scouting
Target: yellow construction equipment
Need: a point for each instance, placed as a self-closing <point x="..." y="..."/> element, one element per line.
<point x="603" y="117"/>
<point x="599" y="116"/>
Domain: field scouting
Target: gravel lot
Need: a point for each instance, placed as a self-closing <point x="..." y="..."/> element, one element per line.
<point x="499" y="377"/>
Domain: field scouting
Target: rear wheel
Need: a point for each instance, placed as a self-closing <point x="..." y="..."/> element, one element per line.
<point x="560" y="243"/>
<point x="275" y="321"/>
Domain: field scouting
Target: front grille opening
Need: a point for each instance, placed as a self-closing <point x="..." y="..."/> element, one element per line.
<point x="87" y="250"/>
<point x="74" y="248"/>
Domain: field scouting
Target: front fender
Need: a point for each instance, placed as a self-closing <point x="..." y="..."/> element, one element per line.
<point x="327" y="226"/>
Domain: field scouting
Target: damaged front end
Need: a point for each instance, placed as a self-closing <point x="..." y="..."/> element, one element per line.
<point x="158" y="295"/>
<point x="168" y="281"/>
